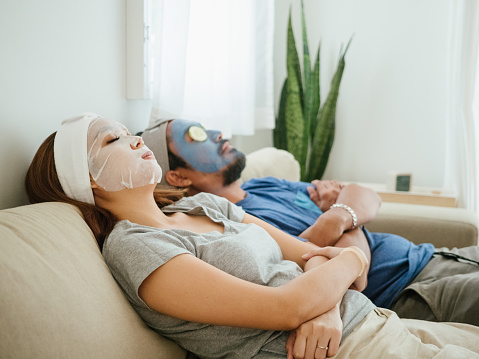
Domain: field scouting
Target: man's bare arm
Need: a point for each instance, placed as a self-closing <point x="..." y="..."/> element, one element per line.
<point x="330" y="226"/>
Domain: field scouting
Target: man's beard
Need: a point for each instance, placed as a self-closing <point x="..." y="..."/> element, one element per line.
<point x="234" y="169"/>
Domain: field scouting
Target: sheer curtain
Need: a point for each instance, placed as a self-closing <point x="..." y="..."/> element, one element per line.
<point x="213" y="63"/>
<point x="462" y="165"/>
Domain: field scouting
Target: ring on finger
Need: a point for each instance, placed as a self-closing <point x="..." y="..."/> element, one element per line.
<point x="320" y="347"/>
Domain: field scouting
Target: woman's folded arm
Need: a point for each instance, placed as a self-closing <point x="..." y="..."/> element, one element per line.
<point x="187" y="288"/>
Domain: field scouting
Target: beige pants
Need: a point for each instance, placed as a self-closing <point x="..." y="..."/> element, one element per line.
<point x="383" y="335"/>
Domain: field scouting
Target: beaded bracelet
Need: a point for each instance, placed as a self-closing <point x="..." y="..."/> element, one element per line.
<point x="361" y="258"/>
<point x="351" y="212"/>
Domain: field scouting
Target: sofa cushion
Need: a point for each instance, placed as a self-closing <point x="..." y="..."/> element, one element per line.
<point x="57" y="296"/>
<point x="270" y="161"/>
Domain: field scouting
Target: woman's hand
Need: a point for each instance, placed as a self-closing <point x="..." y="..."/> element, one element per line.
<point x="316" y="338"/>
<point x="330" y="252"/>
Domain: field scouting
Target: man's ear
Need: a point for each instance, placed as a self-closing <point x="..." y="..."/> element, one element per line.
<point x="177" y="179"/>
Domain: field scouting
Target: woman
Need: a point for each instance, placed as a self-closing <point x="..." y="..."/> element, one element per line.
<point x="202" y="272"/>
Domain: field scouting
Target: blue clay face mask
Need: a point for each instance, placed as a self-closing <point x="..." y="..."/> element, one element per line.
<point x="203" y="153"/>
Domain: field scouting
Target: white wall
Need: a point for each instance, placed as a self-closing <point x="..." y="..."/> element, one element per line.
<point x="59" y="58"/>
<point x="392" y="108"/>
<point x="62" y="57"/>
<point x="391" y="113"/>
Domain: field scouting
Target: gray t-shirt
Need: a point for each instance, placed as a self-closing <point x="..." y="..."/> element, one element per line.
<point x="245" y="251"/>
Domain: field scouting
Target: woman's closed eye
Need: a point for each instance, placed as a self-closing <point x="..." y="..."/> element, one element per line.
<point x="113" y="139"/>
<point x="109" y="139"/>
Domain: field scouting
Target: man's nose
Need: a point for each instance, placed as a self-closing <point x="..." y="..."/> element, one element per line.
<point x="216" y="136"/>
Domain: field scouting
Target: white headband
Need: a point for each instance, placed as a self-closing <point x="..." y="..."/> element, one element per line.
<point x="71" y="161"/>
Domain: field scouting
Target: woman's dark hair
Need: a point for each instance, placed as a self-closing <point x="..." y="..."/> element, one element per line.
<point x="42" y="185"/>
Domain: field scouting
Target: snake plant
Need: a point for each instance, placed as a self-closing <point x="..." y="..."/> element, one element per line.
<point x="303" y="128"/>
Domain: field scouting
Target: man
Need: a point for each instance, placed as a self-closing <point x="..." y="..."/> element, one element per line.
<point x="407" y="278"/>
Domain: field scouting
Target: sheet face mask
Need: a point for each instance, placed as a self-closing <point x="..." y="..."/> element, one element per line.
<point x="114" y="161"/>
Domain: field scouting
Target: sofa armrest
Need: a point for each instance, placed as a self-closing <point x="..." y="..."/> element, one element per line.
<point x="441" y="226"/>
<point x="58" y="298"/>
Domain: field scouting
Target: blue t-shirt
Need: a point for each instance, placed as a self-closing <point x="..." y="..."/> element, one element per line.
<point x="395" y="261"/>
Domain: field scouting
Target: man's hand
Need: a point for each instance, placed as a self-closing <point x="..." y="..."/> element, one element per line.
<point x="316" y="338"/>
<point x="324" y="193"/>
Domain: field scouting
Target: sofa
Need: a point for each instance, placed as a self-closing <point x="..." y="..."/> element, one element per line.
<point x="59" y="300"/>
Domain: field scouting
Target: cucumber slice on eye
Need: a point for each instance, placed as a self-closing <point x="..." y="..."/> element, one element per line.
<point x="197" y="133"/>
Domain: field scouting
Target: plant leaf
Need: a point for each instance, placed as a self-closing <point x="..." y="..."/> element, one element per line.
<point x="307" y="91"/>
<point x="292" y="59"/>
<point x="294" y="100"/>
<point x="324" y="134"/>
<point x="315" y="94"/>
<point x="279" y="132"/>
<point x="294" y="119"/>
